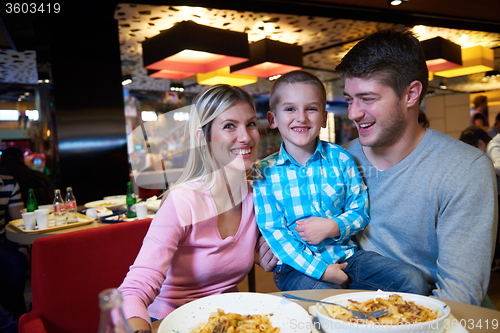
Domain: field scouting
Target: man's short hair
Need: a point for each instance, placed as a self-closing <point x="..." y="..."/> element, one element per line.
<point x="394" y="57"/>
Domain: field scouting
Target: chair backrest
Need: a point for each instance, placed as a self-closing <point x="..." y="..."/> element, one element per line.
<point x="69" y="271"/>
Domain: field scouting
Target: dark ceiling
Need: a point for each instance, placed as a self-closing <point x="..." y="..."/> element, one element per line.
<point x="16" y="30"/>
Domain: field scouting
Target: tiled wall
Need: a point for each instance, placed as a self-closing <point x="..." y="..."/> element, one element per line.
<point x="449" y="114"/>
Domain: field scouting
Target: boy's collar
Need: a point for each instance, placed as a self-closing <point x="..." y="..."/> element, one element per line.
<point x="284" y="156"/>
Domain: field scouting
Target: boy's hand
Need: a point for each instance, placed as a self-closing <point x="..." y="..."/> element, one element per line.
<point x="264" y="257"/>
<point x="335" y="274"/>
<point x="315" y="229"/>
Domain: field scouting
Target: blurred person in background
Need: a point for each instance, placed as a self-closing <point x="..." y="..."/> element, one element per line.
<point x="422" y="119"/>
<point x="495" y="129"/>
<point x="14" y="258"/>
<point x="479" y="115"/>
<point x="12" y="163"/>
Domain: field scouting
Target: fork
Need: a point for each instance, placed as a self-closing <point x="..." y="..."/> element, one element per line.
<point x="355" y="313"/>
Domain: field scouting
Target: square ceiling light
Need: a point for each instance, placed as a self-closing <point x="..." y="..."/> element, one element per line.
<point x="269" y="57"/>
<point x="441" y="54"/>
<point x="194" y="48"/>
<point x="476" y="59"/>
<point x="223" y="76"/>
<point x="168" y="74"/>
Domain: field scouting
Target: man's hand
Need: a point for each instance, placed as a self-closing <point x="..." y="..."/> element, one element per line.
<point x="315" y="229"/>
<point x="335" y="274"/>
<point x="264" y="257"/>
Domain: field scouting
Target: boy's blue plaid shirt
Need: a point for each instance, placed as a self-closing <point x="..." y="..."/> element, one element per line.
<point x="329" y="186"/>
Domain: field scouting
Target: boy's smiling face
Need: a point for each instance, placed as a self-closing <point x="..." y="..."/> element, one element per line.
<point x="299" y="116"/>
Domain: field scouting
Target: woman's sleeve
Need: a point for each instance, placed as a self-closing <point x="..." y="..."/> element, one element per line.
<point x="147" y="274"/>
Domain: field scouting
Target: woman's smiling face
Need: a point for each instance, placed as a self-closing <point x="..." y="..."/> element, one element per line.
<point x="234" y="137"/>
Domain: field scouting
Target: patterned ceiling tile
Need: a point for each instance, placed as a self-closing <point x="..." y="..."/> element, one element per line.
<point x="18" y="67"/>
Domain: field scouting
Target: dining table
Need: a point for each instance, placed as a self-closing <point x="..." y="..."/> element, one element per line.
<point x="22" y="237"/>
<point x="472" y="318"/>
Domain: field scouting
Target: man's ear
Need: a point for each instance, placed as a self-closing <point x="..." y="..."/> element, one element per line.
<point x="413" y="95"/>
<point x="270" y="119"/>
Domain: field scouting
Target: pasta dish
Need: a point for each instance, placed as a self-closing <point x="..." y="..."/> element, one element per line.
<point x="400" y="311"/>
<point x="221" y="322"/>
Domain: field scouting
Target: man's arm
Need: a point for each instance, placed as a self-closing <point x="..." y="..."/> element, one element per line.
<point x="466" y="229"/>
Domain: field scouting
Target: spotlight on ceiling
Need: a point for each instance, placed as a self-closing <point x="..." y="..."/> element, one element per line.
<point x="176" y="86"/>
<point x="396" y="2"/>
<point x="127" y="79"/>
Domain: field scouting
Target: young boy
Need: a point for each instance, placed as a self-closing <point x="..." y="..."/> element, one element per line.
<point x="310" y="200"/>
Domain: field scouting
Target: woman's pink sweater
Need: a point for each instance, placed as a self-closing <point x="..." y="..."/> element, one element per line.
<point x="184" y="258"/>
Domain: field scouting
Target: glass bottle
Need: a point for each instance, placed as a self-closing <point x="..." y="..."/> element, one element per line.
<point x="70" y="202"/>
<point x="31" y="204"/>
<point x="130" y="201"/>
<point x="59" y="209"/>
<point x="112" y="317"/>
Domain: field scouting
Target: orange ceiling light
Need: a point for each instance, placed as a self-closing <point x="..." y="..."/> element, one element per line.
<point x="194" y="48"/>
<point x="224" y="76"/>
<point x="168" y="74"/>
<point x="476" y="59"/>
<point x="269" y="57"/>
<point x="441" y="54"/>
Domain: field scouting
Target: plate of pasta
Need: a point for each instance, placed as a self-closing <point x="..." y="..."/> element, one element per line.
<point x="407" y="313"/>
<point x="239" y="313"/>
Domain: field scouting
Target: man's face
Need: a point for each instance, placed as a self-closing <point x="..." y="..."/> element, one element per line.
<point x="376" y="110"/>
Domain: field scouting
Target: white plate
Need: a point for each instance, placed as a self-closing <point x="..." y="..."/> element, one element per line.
<point x="287" y="315"/>
<point x="153" y="205"/>
<point x="108" y="203"/>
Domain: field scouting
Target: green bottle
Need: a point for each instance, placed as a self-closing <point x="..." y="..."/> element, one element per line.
<point x="130" y="201"/>
<point x="31" y="204"/>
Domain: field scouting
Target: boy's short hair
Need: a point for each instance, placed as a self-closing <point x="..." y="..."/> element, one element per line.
<point x="295" y="77"/>
<point x="394" y="57"/>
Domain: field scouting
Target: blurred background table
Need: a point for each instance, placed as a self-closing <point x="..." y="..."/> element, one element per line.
<point x="15" y="235"/>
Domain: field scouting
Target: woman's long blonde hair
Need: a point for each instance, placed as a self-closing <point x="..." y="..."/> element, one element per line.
<point x="207" y="106"/>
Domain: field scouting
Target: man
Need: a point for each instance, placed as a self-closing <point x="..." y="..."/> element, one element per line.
<point x="432" y="198"/>
<point x="495" y="129"/>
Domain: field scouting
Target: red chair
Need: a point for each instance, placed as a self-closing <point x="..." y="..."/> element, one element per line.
<point x="69" y="270"/>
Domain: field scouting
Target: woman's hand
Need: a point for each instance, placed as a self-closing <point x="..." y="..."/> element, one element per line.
<point x="264" y="257"/>
<point x="138" y="324"/>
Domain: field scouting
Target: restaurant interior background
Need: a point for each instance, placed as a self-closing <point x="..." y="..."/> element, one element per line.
<point x="69" y="65"/>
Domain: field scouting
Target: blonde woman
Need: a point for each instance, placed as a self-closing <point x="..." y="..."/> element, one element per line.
<point x="203" y="238"/>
